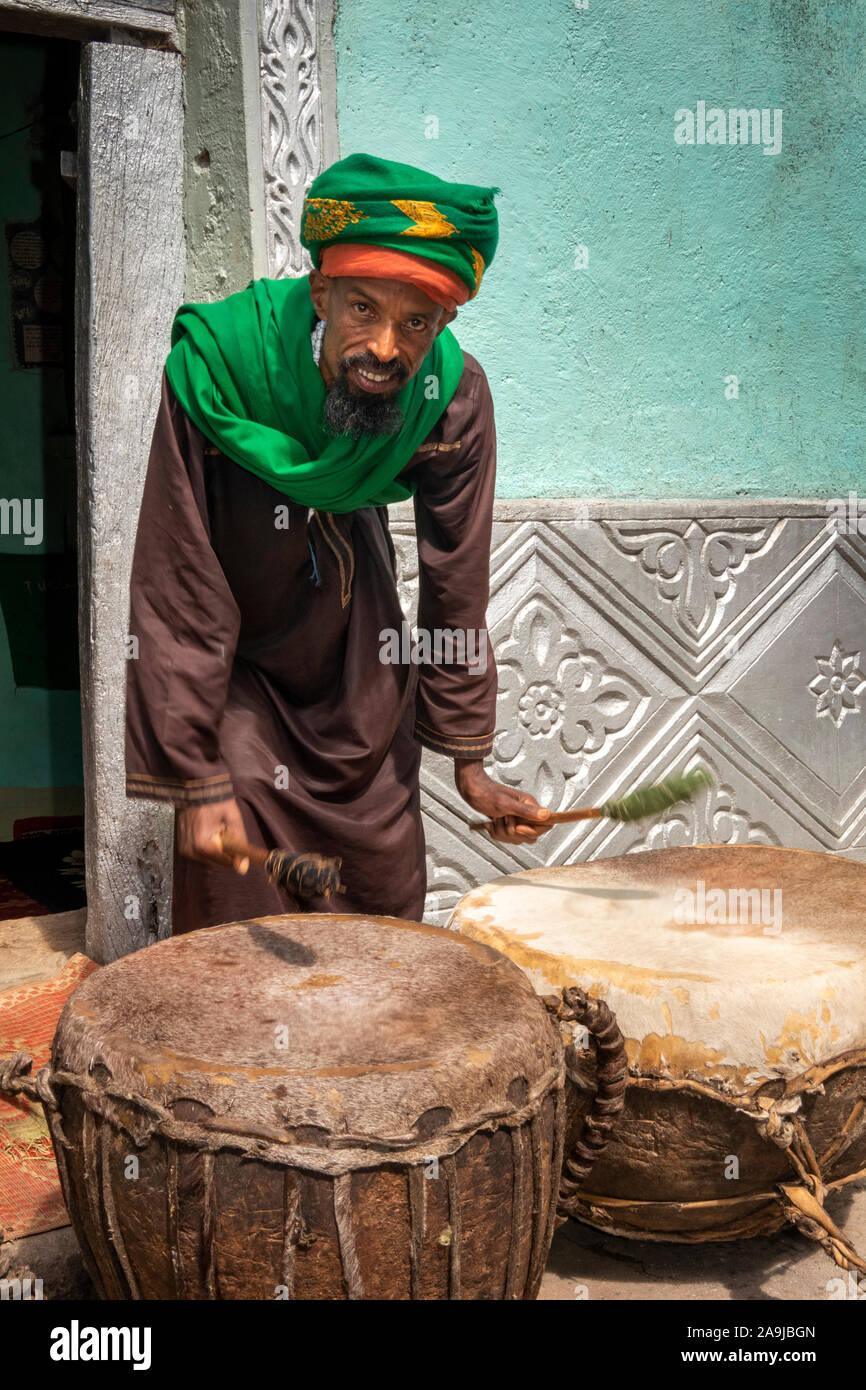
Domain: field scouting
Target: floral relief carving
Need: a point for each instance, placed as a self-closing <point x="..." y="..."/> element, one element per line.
<point x="541" y="708"/>
<point x="560" y="702"/>
<point x="838" y="684"/>
<point x="694" y="565"/>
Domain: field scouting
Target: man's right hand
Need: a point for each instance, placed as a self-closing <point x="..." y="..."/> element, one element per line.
<point x="199" y="829"/>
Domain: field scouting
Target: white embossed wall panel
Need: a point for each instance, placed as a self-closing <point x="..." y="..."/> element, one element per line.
<point x="729" y="636"/>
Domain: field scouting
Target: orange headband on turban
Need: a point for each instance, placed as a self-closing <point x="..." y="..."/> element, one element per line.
<point x="381" y="263"/>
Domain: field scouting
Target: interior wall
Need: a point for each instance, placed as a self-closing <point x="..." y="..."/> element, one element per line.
<point x="40" y="715"/>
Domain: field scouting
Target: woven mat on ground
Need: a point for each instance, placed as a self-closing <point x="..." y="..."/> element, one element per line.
<point x="30" y="1196"/>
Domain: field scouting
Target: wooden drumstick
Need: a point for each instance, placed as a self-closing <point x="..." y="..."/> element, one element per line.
<point x="243" y="852"/>
<point x="645" y="801"/>
<point x="302" y="875"/>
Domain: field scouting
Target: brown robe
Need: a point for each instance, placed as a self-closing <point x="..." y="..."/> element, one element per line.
<point x="258" y="671"/>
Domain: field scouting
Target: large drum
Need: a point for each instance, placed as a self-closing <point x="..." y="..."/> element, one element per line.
<point x="738" y="978"/>
<point x="309" y="1107"/>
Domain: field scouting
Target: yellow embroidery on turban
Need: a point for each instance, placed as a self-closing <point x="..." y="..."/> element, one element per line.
<point x="426" y="217"/>
<point x="478" y="268"/>
<point x="326" y="218"/>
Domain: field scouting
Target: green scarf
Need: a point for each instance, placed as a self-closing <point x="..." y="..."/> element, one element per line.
<point x="243" y="370"/>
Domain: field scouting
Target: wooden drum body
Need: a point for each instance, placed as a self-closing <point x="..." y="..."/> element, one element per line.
<point x="310" y="1107"/>
<point x="744" y="1020"/>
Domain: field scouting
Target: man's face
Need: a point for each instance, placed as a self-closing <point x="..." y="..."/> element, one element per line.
<point x="377" y="335"/>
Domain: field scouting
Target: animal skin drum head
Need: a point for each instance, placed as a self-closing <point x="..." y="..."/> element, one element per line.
<point x="323" y="1020"/>
<point x="733" y="963"/>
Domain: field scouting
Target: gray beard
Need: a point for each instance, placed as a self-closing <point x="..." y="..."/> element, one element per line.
<point x="346" y="412"/>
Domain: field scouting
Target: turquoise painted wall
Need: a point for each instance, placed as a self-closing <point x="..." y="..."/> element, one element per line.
<point x="705" y="261"/>
<point x="41" y="729"/>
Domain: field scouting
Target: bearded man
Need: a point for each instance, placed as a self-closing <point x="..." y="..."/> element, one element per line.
<point x="264" y="575"/>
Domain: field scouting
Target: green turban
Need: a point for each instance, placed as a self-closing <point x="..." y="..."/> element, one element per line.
<point x="375" y="202"/>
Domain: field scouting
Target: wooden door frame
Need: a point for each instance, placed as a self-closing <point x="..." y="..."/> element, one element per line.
<point x="129" y="283"/>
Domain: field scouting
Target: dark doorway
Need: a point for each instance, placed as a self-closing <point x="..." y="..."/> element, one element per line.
<point x="41" y="797"/>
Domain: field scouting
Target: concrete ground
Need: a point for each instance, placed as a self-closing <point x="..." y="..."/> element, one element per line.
<point x="37" y="948"/>
<point x="586" y="1264"/>
<point x="583" y="1265"/>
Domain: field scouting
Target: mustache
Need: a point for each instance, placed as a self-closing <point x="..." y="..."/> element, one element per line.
<point x="366" y="360"/>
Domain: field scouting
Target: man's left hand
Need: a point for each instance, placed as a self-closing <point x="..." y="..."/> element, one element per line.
<point x="517" y="816"/>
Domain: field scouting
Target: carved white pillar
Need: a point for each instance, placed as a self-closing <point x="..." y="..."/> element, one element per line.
<point x="299" y="118"/>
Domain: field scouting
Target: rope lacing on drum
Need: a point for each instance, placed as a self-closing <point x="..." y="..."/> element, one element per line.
<point x="611" y="1075"/>
<point x="340" y="1153"/>
<point x="15" y="1077"/>
<point x="779" y="1122"/>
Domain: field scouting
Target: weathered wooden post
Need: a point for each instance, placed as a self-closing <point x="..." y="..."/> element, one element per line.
<point x="129" y="282"/>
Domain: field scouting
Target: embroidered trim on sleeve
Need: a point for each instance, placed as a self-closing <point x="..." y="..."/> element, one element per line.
<point x="196" y="791"/>
<point x="455" y="738"/>
<point x="456" y="745"/>
<point x="438" y="448"/>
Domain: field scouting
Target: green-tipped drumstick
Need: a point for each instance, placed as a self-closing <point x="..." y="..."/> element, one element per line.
<point x="644" y="801"/>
